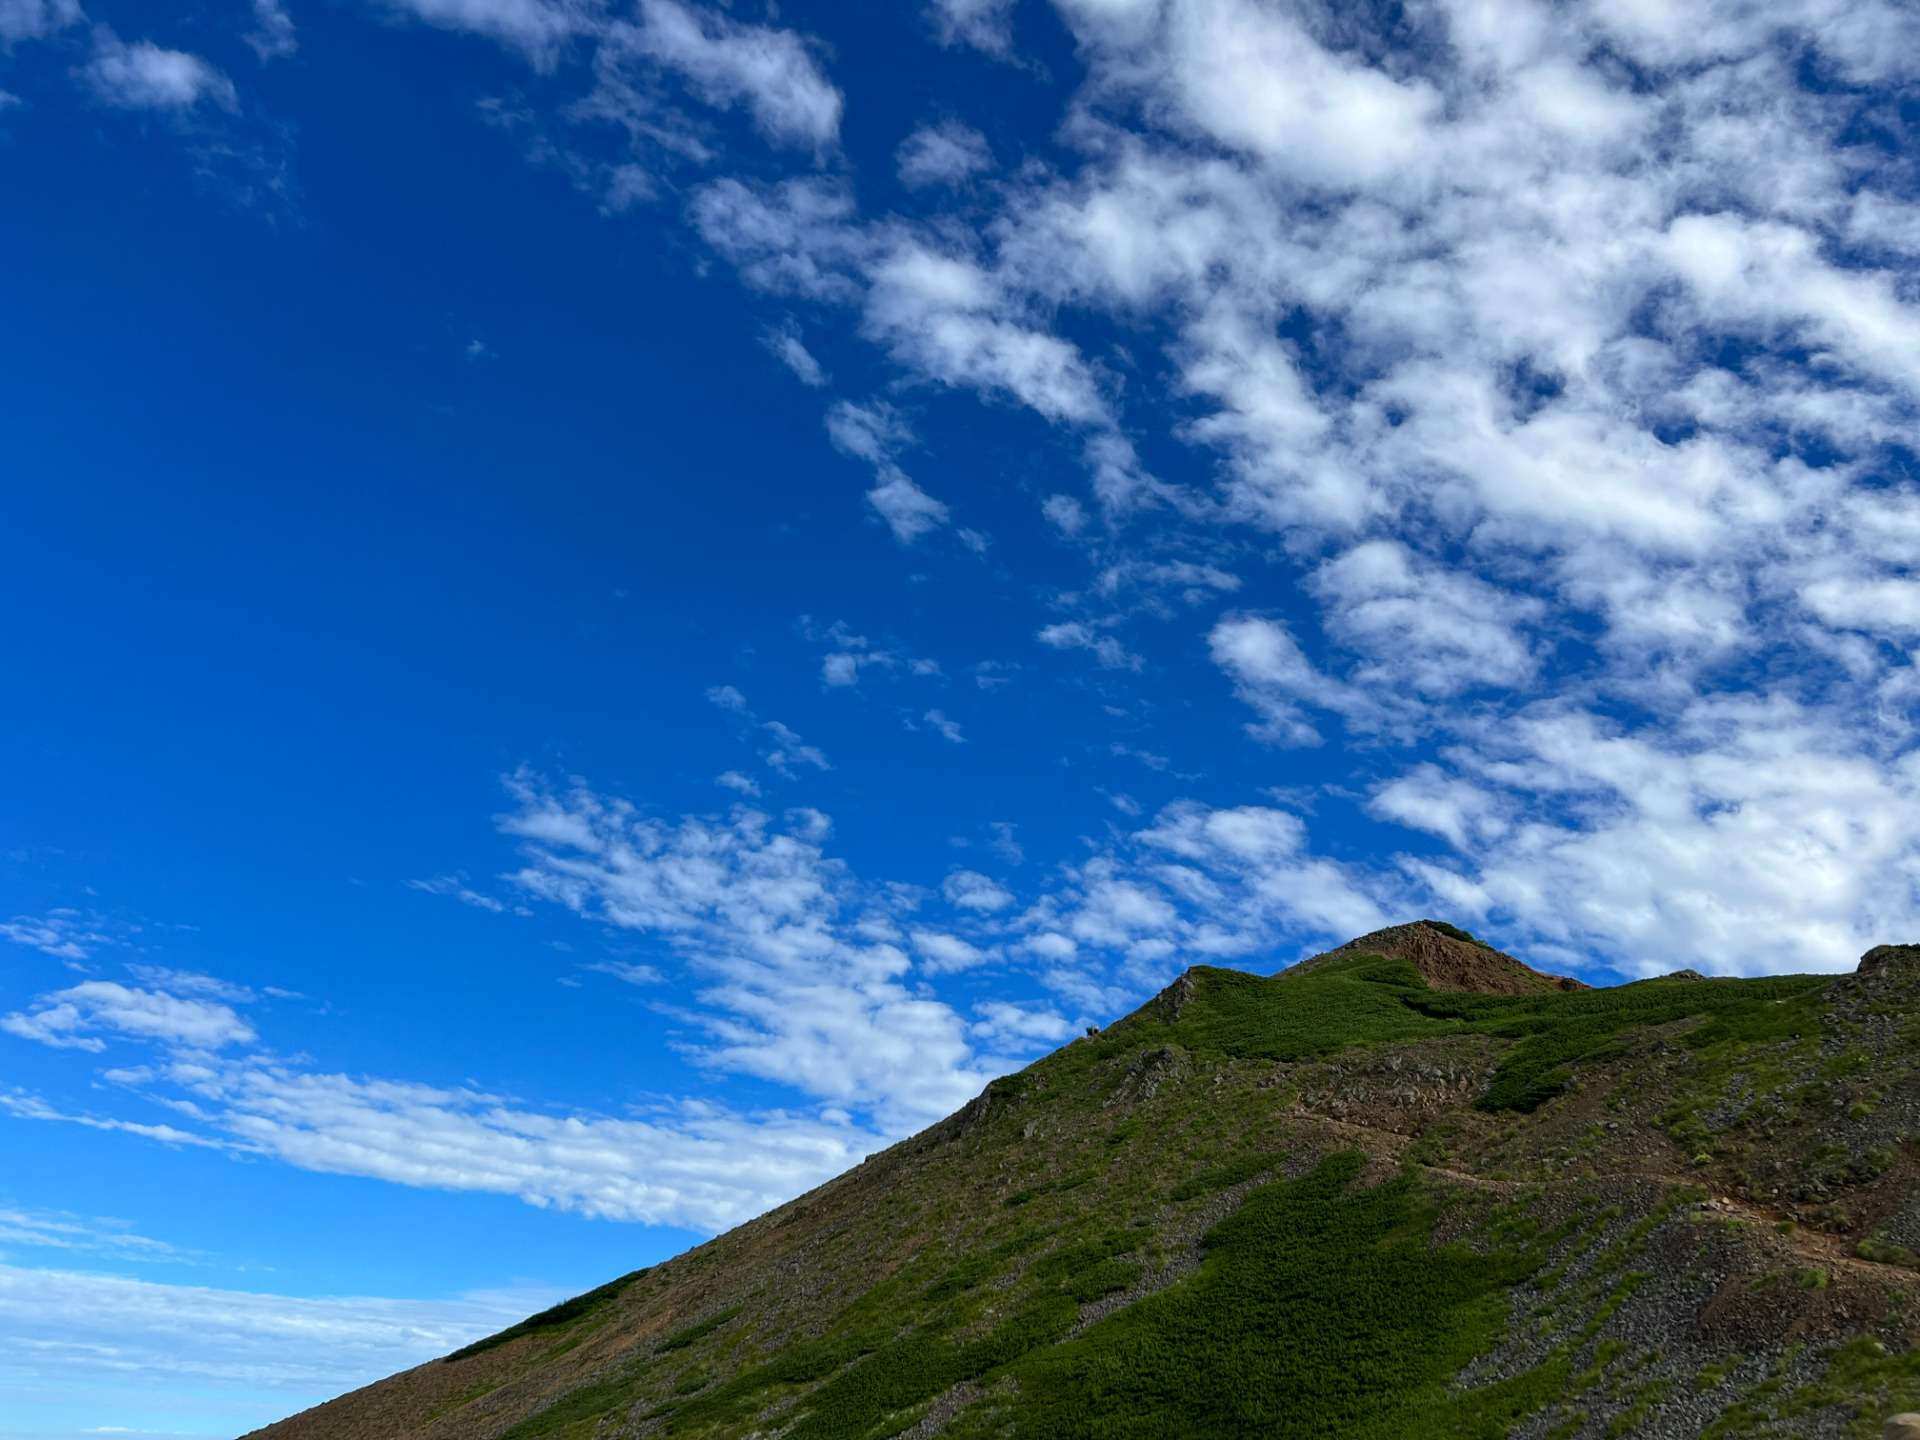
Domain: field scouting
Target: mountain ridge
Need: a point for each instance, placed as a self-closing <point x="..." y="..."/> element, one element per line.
<point x="1532" y="1211"/>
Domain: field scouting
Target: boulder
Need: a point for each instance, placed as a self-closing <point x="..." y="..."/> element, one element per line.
<point x="1903" y="1427"/>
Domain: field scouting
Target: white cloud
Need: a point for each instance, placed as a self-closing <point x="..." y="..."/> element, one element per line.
<point x="769" y="71"/>
<point x="1422" y="627"/>
<point x="537" y="28"/>
<point x="1428" y="798"/>
<point x="738" y="783"/>
<point x="693" y="1164"/>
<point x="1883" y="605"/>
<point x="787" y="347"/>
<point x="786" y="753"/>
<point x="91" y="1333"/>
<point x="76" y="1017"/>
<point x="1077" y="635"/>
<point x="970" y="890"/>
<point x="945" y="728"/>
<point x="1335" y="120"/>
<point x="82" y="1235"/>
<point x="1068" y="515"/>
<point x="1197" y="884"/>
<point x="190" y="982"/>
<point x="455" y="887"/>
<point x="1002" y="1022"/>
<point x="65" y="934"/>
<point x="984" y="24"/>
<point x="875" y="432"/>
<point x="690" y="1163"/>
<point x="1050" y="945"/>
<point x="1755" y="837"/>
<point x="145" y="76"/>
<point x="943" y="954"/>
<point x="789" y="988"/>
<point x="851" y="655"/>
<point x="1272" y="674"/>
<point x="628" y="972"/>
<point x="22" y="1106"/>
<point x="272" y="36"/>
<point x="945" y="154"/>
<point x="908" y="510"/>
<point x="945" y="316"/>
<point x="35" y="19"/>
<point x="798" y="237"/>
<point x="790" y="752"/>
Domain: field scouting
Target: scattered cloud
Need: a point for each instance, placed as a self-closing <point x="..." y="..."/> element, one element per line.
<point x="272" y="36"/>
<point x="1068" y="515"/>
<point x="65" y="934"/>
<point x="1002" y="1021"/>
<point x="22" y="1229"/>
<point x="36" y="19"/>
<point x="985" y="24"/>
<point x="455" y="887"/>
<point x="789" y="752"/>
<point x="786" y="753"/>
<point x="1272" y="674"/>
<point x="970" y="890"/>
<point x="190" y="982"/>
<point x="1420" y="627"/>
<point x="90" y="1330"/>
<point x="79" y="1016"/>
<point x="945" y="154"/>
<point x="144" y="76"/>
<point x="908" y="510"/>
<point x="1752" y="837"/>
<point x="946" y="729"/>
<point x="943" y="954"/>
<point x="1107" y="649"/>
<point x="537" y="28"/>
<point x="770" y="72"/>
<point x="626" y="971"/>
<point x="792" y="988"/>
<point x="786" y="346"/>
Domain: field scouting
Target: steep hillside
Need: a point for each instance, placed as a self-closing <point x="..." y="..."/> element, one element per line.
<point x="1402" y="1190"/>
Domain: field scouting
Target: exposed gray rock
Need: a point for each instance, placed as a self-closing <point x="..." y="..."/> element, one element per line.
<point x="1887" y="959"/>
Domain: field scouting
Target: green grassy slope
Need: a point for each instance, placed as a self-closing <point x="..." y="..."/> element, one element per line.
<point x="1327" y="1203"/>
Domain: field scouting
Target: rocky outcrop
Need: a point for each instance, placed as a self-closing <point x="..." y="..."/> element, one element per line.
<point x="1891" y="960"/>
<point x="1177" y="996"/>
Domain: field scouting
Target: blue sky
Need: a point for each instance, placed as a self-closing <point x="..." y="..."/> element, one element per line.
<point x="614" y="605"/>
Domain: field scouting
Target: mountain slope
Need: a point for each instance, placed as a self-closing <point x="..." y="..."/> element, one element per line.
<point x="1341" y="1201"/>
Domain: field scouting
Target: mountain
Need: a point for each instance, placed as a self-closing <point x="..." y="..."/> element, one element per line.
<point x="1411" y="1188"/>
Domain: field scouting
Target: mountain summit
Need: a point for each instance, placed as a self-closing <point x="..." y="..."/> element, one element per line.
<point x="1448" y="958"/>
<point x="1410" y="1189"/>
